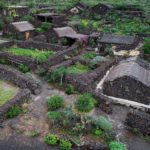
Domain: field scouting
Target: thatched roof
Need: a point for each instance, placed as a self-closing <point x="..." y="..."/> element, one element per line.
<point x="114" y="39"/>
<point x="132" y="70"/>
<point x="3" y="41"/>
<point x="46" y="15"/>
<point x="23" y="26"/>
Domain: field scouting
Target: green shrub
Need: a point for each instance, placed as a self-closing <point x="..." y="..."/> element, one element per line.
<point x="51" y="139"/>
<point x="98" y="132"/>
<point x="78" y="68"/>
<point x="45" y="26"/>
<point x="41" y="59"/>
<point x="34" y="134"/>
<point x="65" y="145"/>
<point x="55" y="117"/>
<point x="115" y="145"/>
<point x="146" y="46"/>
<point x="70" y="89"/>
<point x="1" y="24"/>
<point x="89" y="55"/>
<point x="41" y="72"/>
<point x="56" y="74"/>
<point x="23" y="68"/>
<point x="2" y="4"/>
<point x="103" y="123"/>
<point x="27" y="18"/>
<point x="55" y="102"/>
<point x="13" y="112"/>
<point x="85" y="103"/>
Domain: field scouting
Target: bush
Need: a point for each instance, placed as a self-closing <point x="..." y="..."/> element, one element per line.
<point x="56" y="74"/>
<point x="41" y="72"/>
<point x="85" y="103"/>
<point x="70" y="89"/>
<point x="90" y="55"/>
<point x="115" y="145"/>
<point x="146" y="46"/>
<point x="1" y="24"/>
<point x="55" y="102"/>
<point x="98" y="132"/>
<point x="2" y="4"/>
<point x="13" y="112"/>
<point x="103" y="123"/>
<point x="51" y="139"/>
<point x="27" y="18"/>
<point x="55" y="117"/>
<point x="23" y="68"/>
<point x="41" y="59"/>
<point x="65" y="145"/>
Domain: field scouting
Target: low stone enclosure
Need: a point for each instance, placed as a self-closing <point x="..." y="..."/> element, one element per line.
<point x="22" y="96"/>
<point x="17" y="78"/>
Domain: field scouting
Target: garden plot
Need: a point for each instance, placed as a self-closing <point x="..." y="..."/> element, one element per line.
<point x="81" y="71"/>
<point x="7" y="92"/>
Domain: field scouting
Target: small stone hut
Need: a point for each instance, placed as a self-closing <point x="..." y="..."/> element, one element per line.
<point x="22" y="30"/>
<point x="129" y="80"/>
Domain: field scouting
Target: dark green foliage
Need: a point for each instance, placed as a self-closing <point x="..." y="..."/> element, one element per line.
<point x="1" y="24"/>
<point x="98" y="132"/>
<point x="85" y="103"/>
<point x="115" y="145"/>
<point x="44" y="27"/>
<point x="65" y="145"/>
<point x="70" y="89"/>
<point x="51" y="139"/>
<point x="41" y="72"/>
<point x="56" y="74"/>
<point x="55" y="117"/>
<point x="13" y="112"/>
<point x="23" y="68"/>
<point x="3" y="61"/>
<point x="89" y="55"/>
<point x="27" y="18"/>
<point x="146" y="46"/>
<point x="55" y="102"/>
<point x="2" y="4"/>
<point x="103" y="123"/>
<point x="34" y="134"/>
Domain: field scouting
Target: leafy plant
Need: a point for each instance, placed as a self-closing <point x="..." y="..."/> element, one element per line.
<point x="115" y="145"/>
<point x="13" y="112"/>
<point x="56" y="74"/>
<point x="85" y="103"/>
<point x="2" y="4"/>
<point x="55" y="102"/>
<point x="98" y="132"/>
<point x="89" y="55"/>
<point x="34" y="133"/>
<point x="103" y="123"/>
<point x="1" y="24"/>
<point x="23" y="68"/>
<point x="70" y="89"/>
<point x="27" y="18"/>
<point x="41" y="72"/>
<point x="51" y="139"/>
<point x="146" y="46"/>
<point x="78" y="68"/>
<point x="65" y="145"/>
<point x="55" y="116"/>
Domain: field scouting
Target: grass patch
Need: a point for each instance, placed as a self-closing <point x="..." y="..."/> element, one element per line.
<point x="78" y="68"/>
<point x="7" y="92"/>
<point x="39" y="55"/>
<point x="90" y="55"/>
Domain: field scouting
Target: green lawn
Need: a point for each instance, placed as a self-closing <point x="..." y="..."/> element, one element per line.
<point x="7" y="92"/>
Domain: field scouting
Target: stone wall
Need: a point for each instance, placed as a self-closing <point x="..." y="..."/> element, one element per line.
<point x="21" y="80"/>
<point x="22" y="96"/>
<point x="139" y="120"/>
<point x="39" y="45"/>
<point x="18" y="60"/>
